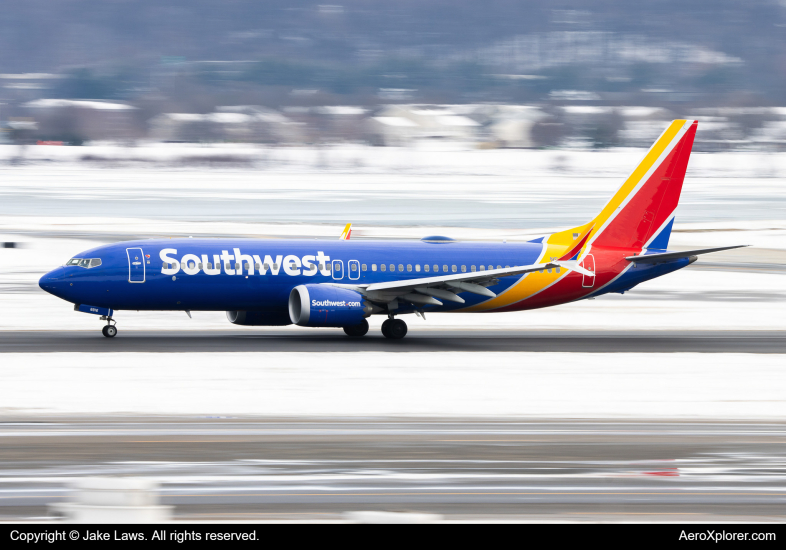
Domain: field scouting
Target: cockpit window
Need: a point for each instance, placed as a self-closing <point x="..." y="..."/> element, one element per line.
<point x="85" y="262"/>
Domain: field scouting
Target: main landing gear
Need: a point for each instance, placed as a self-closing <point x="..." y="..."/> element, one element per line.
<point x="356" y="331"/>
<point x="109" y="330"/>
<point x="395" y="329"/>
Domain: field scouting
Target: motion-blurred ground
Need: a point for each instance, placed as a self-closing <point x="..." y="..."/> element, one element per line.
<point x="651" y="387"/>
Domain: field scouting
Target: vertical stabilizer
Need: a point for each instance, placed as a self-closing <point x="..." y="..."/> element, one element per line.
<point x="642" y="210"/>
<point x="641" y="213"/>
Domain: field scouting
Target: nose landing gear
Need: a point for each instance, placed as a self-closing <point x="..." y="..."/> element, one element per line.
<point x="109" y="330"/>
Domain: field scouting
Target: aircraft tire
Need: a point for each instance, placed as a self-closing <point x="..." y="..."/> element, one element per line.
<point x="385" y="327"/>
<point x="397" y="329"/>
<point x="109" y="331"/>
<point x="356" y="331"/>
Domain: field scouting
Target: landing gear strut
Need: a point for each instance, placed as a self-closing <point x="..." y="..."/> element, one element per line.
<point x="109" y="330"/>
<point x="395" y="329"/>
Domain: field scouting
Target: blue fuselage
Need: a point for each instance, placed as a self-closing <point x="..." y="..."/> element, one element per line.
<point x="209" y="274"/>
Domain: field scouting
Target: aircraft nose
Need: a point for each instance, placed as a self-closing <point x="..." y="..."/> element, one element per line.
<point x="52" y="281"/>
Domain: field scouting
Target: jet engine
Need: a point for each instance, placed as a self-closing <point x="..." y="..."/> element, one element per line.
<point x="327" y="306"/>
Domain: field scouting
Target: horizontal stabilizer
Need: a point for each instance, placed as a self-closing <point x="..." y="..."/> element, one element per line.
<point x="668" y="256"/>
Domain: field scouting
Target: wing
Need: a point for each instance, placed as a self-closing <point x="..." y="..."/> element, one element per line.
<point x="669" y="256"/>
<point x="346" y="233"/>
<point x="429" y="290"/>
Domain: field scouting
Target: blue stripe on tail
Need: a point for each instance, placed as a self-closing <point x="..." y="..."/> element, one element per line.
<point x="661" y="241"/>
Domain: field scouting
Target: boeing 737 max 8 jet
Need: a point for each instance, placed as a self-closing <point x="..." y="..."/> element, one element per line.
<point x="316" y="283"/>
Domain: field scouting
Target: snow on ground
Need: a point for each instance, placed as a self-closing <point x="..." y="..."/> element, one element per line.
<point x="683" y="385"/>
<point x="503" y="189"/>
<point x="57" y="209"/>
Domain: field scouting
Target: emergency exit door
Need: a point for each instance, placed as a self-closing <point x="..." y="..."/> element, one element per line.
<point x="589" y="265"/>
<point x="136" y="265"/>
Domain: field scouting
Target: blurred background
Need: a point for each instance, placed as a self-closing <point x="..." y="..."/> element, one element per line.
<point x="487" y="120"/>
<point x="500" y="74"/>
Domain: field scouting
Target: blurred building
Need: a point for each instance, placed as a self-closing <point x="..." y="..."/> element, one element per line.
<point x="241" y="123"/>
<point x="403" y="124"/>
<point x="77" y="121"/>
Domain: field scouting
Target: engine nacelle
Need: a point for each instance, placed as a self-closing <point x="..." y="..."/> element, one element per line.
<point x="258" y="318"/>
<point x="327" y="306"/>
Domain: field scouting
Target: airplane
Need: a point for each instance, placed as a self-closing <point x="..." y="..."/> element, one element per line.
<point x="318" y="283"/>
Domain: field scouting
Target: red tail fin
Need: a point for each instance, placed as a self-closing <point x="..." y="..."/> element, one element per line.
<point x="645" y="203"/>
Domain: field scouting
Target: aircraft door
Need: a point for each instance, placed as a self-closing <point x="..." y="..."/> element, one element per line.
<point x="338" y="269"/>
<point x="354" y="270"/>
<point x="136" y="265"/>
<point x="589" y="264"/>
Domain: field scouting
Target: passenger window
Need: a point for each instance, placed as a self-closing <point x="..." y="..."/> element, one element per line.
<point x="199" y="266"/>
<point x="383" y="267"/>
<point x="499" y="267"/>
<point x="265" y="267"/>
<point x="256" y="266"/>
<point x="363" y="267"/>
<point x="275" y="266"/>
<point x="463" y="269"/>
<point x="491" y="267"/>
<point x="409" y="267"/>
<point x="454" y="269"/>
<point x="417" y="267"/>
<point x="328" y="267"/>
<point x="507" y="266"/>
<point x="549" y="270"/>
<point x="353" y="267"/>
<point x="425" y="267"/>
<point x="401" y="267"/>
<point x="374" y="267"/>
<point x="392" y="267"/>
<point x="436" y="269"/>
<point x="445" y="268"/>
<point x="472" y="268"/>
<point x="557" y="270"/>
<point x="185" y="265"/>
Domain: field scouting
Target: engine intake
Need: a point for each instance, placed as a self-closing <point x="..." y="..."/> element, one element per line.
<point x="327" y="306"/>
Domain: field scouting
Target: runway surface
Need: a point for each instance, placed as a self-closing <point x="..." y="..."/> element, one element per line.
<point x="274" y="468"/>
<point x="272" y="340"/>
